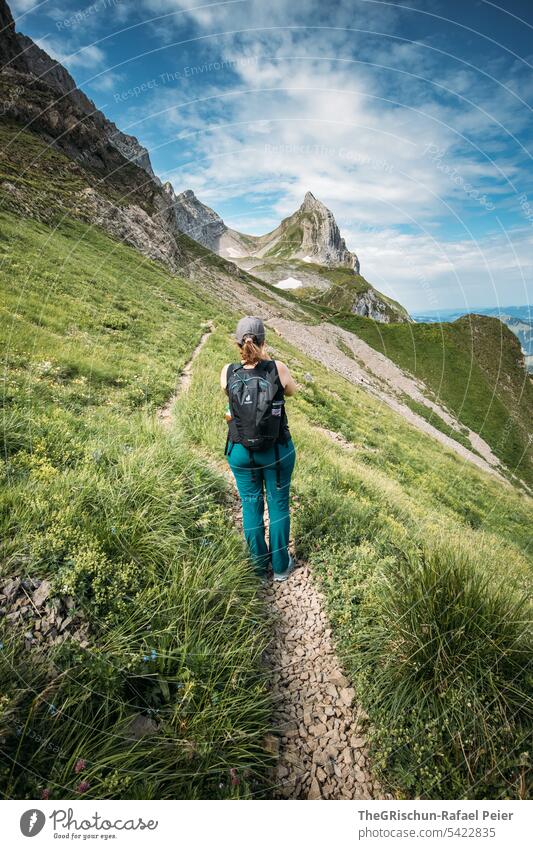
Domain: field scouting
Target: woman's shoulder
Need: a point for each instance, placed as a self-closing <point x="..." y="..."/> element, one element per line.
<point x="286" y="378"/>
<point x="283" y="371"/>
<point x="224" y="374"/>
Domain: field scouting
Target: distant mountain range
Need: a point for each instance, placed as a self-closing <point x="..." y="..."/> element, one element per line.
<point x="519" y="319"/>
<point x="306" y="252"/>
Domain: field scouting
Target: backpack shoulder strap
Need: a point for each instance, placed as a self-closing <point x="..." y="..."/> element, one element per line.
<point x="269" y="366"/>
<point x="232" y="368"/>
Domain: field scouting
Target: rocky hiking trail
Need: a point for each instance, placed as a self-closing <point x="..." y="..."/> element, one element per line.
<point x="318" y="736"/>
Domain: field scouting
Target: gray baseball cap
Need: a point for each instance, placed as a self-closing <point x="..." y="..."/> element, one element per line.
<point x="250" y="326"/>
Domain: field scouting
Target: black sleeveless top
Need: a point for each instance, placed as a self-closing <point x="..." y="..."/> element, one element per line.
<point x="284" y="432"/>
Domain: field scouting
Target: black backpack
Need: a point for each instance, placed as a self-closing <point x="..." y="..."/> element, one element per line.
<point x="256" y="406"/>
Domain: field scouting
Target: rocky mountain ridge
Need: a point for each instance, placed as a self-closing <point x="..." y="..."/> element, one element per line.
<point x="305" y="252"/>
<point x="310" y="234"/>
<point x="21" y="53"/>
<point x="127" y="199"/>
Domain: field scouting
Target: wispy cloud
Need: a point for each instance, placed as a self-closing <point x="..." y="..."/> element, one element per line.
<point x="88" y="57"/>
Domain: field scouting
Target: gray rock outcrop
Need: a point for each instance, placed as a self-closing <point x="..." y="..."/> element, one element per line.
<point x="197" y="220"/>
<point x="19" y="52"/>
<point x="311" y="234"/>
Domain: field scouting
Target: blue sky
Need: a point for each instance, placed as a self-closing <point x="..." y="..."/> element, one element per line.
<point x="411" y="120"/>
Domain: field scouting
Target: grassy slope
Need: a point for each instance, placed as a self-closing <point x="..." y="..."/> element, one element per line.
<point x="121" y="516"/>
<point x="399" y="511"/>
<point x="27" y="161"/>
<point x="107" y="505"/>
<point x="346" y="286"/>
<point x="473" y="366"/>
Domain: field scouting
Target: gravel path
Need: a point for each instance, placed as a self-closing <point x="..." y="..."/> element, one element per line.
<point x="319" y="732"/>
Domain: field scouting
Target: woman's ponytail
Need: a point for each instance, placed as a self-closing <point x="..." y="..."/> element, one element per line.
<point x="251" y="352"/>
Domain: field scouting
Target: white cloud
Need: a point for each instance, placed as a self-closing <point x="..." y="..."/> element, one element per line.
<point x="19" y="7"/>
<point x="108" y="81"/>
<point x="427" y="273"/>
<point x="89" y="57"/>
<point x="86" y="58"/>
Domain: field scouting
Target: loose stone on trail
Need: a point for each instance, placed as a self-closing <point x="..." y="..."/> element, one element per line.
<point x="316" y="719"/>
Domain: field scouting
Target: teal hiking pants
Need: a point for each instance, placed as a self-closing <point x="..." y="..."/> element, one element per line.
<point x="252" y="482"/>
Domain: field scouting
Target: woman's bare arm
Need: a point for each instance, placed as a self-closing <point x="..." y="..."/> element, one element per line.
<point x="289" y="383"/>
<point x="223" y="377"/>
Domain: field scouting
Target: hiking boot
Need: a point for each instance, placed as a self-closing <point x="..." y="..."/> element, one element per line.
<point x="282" y="576"/>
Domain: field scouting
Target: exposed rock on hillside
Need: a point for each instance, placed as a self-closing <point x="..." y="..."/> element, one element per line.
<point x="19" y="52"/>
<point x="9" y="45"/>
<point x="125" y="197"/>
<point x="197" y="220"/>
<point x="310" y="234"/>
<point x="132" y="225"/>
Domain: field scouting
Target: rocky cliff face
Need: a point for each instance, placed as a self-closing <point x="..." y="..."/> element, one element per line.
<point x="18" y="52"/>
<point x="310" y="234"/>
<point x="9" y="45"/>
<point x="198" y="221"/>
<point x="39" y="64"/>
<point x="127" y="199"/>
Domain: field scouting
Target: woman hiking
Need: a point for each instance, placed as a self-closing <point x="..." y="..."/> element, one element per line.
<point x="259" y="447"/>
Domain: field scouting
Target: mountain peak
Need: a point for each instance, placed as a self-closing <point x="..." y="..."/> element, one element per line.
<point x="315" y="236"/>
<point x="311" y="202"/>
